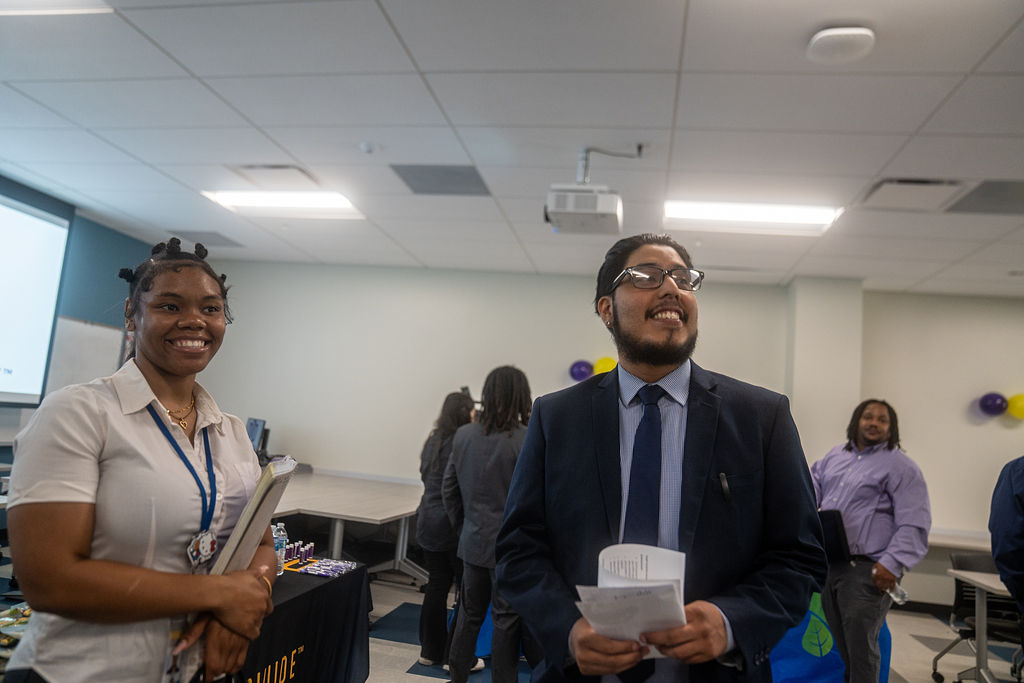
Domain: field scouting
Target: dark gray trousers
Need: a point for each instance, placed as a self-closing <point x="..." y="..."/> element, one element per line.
<point x="509" y="631"/>
<point x="855" y="610"/>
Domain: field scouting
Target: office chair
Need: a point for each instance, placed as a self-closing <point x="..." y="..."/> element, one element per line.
<point x="1003" y="614"/>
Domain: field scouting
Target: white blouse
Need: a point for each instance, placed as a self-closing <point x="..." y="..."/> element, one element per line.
<point x="97" y="443"/>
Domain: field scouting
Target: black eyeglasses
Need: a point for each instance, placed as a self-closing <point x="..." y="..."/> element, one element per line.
<point x="650" y="276"/>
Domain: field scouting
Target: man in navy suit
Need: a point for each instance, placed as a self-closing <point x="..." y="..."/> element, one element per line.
<point x="733" y="492"/>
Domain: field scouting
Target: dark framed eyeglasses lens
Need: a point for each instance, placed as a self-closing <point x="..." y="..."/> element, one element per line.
<point x="652" y="277"/>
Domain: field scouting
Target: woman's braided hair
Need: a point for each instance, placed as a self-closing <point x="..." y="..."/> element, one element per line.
<point x="164" y="257"/>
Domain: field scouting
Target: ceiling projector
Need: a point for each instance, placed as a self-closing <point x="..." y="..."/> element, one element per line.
<point x="584" y="208"/>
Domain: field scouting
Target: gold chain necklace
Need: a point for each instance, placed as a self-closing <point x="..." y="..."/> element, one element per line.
<point x="183" y="421"/>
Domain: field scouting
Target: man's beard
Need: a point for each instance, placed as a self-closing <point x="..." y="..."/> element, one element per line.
<point x="651" y="353"/>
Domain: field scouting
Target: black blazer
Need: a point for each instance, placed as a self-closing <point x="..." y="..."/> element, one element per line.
<point x="753" y="545"/>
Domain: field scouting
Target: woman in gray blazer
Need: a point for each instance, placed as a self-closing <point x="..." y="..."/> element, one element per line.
<point x="476" y="483"/>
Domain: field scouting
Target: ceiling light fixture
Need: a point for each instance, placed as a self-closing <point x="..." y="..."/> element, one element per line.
<point x="288" y="204"/>
<point x="840" y="45"/>
<point x="54" y="12"/>
<point x="762" y="219"/>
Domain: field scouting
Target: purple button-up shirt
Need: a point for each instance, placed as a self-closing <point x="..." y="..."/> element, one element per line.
<point x="883" y="499"/>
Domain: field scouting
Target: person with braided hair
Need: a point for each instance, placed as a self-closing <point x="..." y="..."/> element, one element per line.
<point x="474" y="489"/>
<point x="121" y="491"/>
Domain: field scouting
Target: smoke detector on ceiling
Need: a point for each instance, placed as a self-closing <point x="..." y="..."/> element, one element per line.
<point x="840" y="45"/>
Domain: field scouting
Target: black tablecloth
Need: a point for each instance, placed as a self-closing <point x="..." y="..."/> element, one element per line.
<point x="318" y="632"/>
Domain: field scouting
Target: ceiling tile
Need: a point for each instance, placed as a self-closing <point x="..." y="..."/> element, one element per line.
<point x="201" y="177"/>
<point x="383" y="145"/>
<point x="786" y="153"/>
<point x="984" y="104"/>
<point x="698" y="241"/>
<point x="469" y="255"/>
<point x="533" y="35"/>
<point x="732" y="259"/>
<point x="960" y="158"/>
<point x="417" y="207"/>
<point x="562" y="99"/>
<point x="1015" y="236"/>
<point x="344" y="242"/>
<point x="78" y="46"/>
<point x="488" y="231"/>
<point x="534" y="183"/>
<point x="18" y="111"/>
<point x="560" y="147"/>
<point x="357" y="182"/>
<point x="198" y="145"/>
<point x="1008" y="57"/>
<point x="920" y="225"/>
<point x="891" y="248"/>
<point x="568" y="258"/>
<point x="864" y="267"/>
<point x="928" y="36"/>
<point x="773" y="188"/>
<point x="71" y="146"/>
<point x="844" y="103"/>
<point x="387" y="99"/>
<point x="90" y="177"/>
<point x="128" y="103"/>
<point x="1004" y="253"/>
<point x="280" y="38"/>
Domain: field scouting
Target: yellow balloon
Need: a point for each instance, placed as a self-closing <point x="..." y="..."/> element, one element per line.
<point x="607" y="364"/>
<point x="1014" y="404"/>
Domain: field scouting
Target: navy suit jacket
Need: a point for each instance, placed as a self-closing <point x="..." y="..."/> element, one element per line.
<point x="753" y="546"/>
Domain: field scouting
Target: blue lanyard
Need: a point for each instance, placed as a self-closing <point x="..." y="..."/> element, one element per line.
<point x="207" y="510"/>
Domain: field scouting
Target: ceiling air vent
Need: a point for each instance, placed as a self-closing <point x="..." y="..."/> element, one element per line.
<point x="913" y="194"/>
<point x="993" y="196"/>
<point x="277" y="177"/>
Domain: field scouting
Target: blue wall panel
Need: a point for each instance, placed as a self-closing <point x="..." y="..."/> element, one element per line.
<point x="92" y="290"/>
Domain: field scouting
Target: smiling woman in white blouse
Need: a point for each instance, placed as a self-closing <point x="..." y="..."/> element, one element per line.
<point x="121" y="492"/>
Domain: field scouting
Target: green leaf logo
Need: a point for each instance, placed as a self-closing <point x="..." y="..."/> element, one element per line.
<point x="817" y="638"/>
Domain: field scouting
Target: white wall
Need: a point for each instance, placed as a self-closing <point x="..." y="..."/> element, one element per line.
<point x="932" y="357"/>
<point x="349" y="365"/>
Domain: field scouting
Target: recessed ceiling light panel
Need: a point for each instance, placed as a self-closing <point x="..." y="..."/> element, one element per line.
<point x="287" y="204"/>
<point x="745" y="218"/>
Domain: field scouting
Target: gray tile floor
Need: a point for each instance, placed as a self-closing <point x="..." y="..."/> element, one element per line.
<point x="916" y="639"/>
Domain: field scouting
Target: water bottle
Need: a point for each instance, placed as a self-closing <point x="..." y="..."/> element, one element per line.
<point x="280" y="541"/>
<point x="898" y="594"/>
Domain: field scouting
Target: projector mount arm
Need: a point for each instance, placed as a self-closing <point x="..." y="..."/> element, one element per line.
<point x="583" y="165"/>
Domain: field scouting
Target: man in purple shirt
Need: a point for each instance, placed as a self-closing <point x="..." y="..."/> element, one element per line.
<point x="883" y="499"/>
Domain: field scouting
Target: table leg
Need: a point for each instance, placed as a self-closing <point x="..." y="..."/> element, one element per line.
<point x="337" y="536"/>
<point x="402" y="561"/>
<point x="981" y="671"/>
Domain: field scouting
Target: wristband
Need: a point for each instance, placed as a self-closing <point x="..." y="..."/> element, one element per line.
<point x="270" y="587"/>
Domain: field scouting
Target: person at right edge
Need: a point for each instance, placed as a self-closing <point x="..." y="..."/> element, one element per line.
<point x="1006" y="523"/>
<point x="726" y="483"/>
<point x="883" y="499"/>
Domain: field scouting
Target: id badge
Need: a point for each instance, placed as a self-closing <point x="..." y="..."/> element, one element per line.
<point x="201" y="547"/>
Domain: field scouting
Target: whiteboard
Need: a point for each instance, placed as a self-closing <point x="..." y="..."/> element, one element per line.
<point x="82" y="351"/>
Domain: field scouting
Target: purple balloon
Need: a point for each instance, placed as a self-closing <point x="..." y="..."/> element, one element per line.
<point x="992" y="404"/>
<point x="581" y="369"/>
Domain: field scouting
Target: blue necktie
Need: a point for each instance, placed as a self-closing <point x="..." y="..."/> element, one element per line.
<point x="644" y="501"/>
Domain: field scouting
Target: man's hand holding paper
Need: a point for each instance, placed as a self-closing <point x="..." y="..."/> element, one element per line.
<point x="702" y="638"/>
<point x="597" y="655"/>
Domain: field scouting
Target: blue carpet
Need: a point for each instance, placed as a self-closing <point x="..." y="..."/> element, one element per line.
<point x="402" y="625"/>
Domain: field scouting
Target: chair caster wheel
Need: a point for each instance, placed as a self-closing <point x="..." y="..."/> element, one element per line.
<point x="937" y="677"/>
